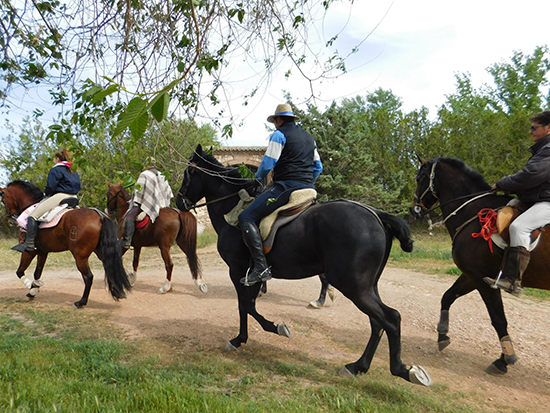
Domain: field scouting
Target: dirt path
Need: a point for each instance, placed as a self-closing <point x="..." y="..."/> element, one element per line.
<point x="187" y="320"/>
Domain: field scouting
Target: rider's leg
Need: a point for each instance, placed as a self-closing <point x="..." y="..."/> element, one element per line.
<point x="517" y="255"/>
<point x="130" y="226"/>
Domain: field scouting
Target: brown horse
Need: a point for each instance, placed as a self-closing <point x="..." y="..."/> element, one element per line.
<point x="81" y="231"/>
<point x="461" y="193"/>
<point x="171" y="225"/>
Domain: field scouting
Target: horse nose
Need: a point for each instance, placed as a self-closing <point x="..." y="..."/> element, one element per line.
<point x="416" y="210"/>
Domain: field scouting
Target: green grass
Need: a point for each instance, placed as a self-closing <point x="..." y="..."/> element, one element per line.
<point x="67" y="361"/>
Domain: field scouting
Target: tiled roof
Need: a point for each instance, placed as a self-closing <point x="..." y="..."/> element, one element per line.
<point x="240" y="148"/>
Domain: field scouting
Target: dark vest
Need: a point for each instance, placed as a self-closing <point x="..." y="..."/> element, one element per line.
<point x="296" y="160"/>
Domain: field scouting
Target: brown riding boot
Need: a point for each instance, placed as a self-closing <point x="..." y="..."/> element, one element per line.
<point x="516" y="261"/>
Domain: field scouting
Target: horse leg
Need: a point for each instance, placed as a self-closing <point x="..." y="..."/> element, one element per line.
<point x="325" y="287"/>
<point x="247" y="305"/>
<point x="169" y="266"/>
<point x="24" y="262"/>
<point x="88" y="278"/>
<point x="462" y="286"/>
<point x="493" y="301"/>
<point x="384" y="319"/>
<point x="135" y="264"/>
<point x="363" y="364"/>
<point x="37" y="283"/>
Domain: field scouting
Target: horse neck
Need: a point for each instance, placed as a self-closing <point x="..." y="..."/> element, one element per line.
<point x="457" y="196"/>
<point x="122" y="205"/>
<point x="24" y="200"/>
<point x="217" y="208"/>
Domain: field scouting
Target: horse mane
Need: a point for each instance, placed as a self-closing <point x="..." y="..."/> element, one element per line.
<point x="461" y="166"/>
<point x="218" y="167"/>
<point x="35" y="192"/>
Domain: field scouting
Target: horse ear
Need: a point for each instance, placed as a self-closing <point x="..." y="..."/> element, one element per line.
<point x="421" y="160"/>
<point x="107" y="183"/>
<point x="199" y="148"/>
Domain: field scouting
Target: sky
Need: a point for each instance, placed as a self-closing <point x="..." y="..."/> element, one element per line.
<point x="414" y="48"/>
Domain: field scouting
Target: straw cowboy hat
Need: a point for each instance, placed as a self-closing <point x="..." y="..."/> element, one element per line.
<point x="282" y="110"/>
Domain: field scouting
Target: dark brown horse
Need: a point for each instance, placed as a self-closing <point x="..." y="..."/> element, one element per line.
<point x="171" y="225"/>
<point x="461" y="193"/>
<point x="81" y="231"/>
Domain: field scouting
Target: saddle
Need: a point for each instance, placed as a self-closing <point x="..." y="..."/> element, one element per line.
<point x="50" y="218"/>
<point x="298" y="202"/>
<point x="506" y="215"/>
<point x="142" y="219"/>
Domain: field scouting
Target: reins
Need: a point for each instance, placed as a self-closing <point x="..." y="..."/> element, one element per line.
<point x="213" y="200"/>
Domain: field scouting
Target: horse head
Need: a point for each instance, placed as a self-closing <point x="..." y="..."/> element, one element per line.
<point x="200" y="164"/>
<point x="117" y="197"/>
<point x="441" y="181"/>
<point x="425" y="196"/>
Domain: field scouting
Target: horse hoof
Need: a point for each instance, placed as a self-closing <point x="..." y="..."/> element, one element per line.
<point x="230" y="347"/>
<point x="203" y="288"/>
<point x="38" y="283"/>
<point x="315" y="304"/>
<point x="332" y="293"/>
<point x="33" y="292"/>
<point x="344" y="372"/>
<point x="419" y="375"/>
<point x="166" y="288"/>
<point x="495" y="371"/>
<point x="132" y="277"/>
<point x="283" y="330"/>
<point x="30" y="297"/>
<point x="512" y="359"/>
<point x="443" y="344"/>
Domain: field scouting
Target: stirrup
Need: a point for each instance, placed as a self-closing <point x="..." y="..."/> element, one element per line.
<point x="265" y="275"/>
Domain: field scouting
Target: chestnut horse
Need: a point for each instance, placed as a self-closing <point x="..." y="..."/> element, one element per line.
<point x="347" y="241"/>
<point x="171" y="225"/>
<point x="461" y="192"/>
<point x="81" y="231"/>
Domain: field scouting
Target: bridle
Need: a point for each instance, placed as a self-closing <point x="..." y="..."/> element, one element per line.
<point x="418" y="205"/>
<point x="187" y="204"/>
<point x="109" y="201"/>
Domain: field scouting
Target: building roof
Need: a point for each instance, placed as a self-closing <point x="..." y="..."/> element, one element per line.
<point x="240" y="148"/>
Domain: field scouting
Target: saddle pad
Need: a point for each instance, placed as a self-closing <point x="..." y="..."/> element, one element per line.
<point x="140" y="224"/>
<point x="298" y="197"/>
<point x="55" y="220"/>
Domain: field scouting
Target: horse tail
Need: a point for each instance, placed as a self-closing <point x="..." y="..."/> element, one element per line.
<point x="111" y="256"/>
<point x="187" y="240"/>
<point x="398" y="228"/>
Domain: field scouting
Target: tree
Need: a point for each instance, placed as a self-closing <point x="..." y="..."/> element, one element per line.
<point x="365" y="145"/>
<point x="102" y="158"/>
<point x="149" y="56"/>
<point x="488" y="127"/>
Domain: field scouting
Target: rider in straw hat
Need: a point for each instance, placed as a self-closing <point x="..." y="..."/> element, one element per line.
<point x="292" y="155"/>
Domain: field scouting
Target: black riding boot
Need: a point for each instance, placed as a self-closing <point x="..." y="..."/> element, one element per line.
<point x="32" y="229"/>
<point x="516" y="261"/>
<point x="129" y="229"/>
<point x="253" y="240"/>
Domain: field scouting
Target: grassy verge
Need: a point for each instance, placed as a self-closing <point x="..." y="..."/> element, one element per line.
<point x="67" y="361"/>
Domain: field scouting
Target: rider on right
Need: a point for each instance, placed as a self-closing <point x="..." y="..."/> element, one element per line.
<point x="532" y="186"/>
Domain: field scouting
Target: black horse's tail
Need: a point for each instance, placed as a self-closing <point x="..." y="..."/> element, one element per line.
<point x="398" y="228"/>
<point x="111" y="256"/>
<point x="187" y="240"/>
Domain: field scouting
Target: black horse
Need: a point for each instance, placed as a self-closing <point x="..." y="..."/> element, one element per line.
<point x="461" y="192"/>
<point x="347" y="241"/>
